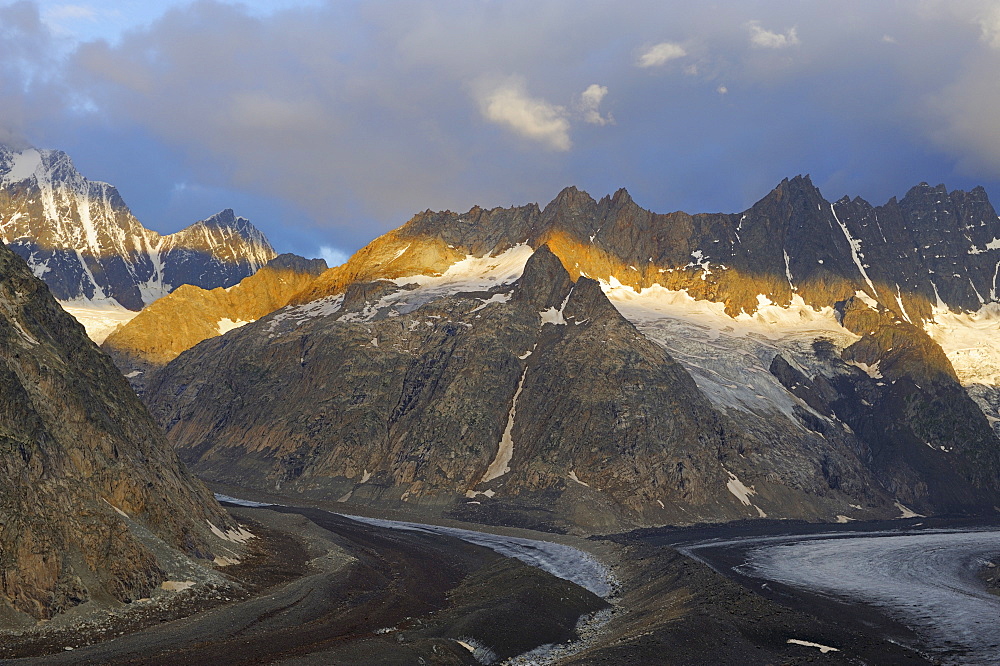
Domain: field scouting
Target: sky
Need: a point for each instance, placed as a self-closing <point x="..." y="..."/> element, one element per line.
<point x="329" y="123"/>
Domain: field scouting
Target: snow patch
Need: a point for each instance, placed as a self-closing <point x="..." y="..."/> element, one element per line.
<point x="822" y="648"/>
<point x="226" y="324"/>
<point x="476" y="273"/>
<point x="99" y="317"/>
<point x="866" y="299"/>
<point x="296" y="314"/>
<point x="971" y="341"/>
<point x="117" y="510"/>
<point x="238" y="535"/>
<point x="736" y="487"/>
<point x="552" y="316"/>
<point x="699" y="260"/>
<point x="572" y="475"/>
<point x="495" y="298"/>
<point x="871" y="370"/>
<point x="729" y="357"/>
<point x="23" y="166"/>
<point x="906" y="512"/>
<point x="855" y="245"/>
<point x="505" y="451"/>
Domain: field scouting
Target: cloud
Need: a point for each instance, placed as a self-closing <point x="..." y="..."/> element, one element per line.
<point x="354" y="115"/>
<point x="660" y="54"/>
<point x="73" y="12"/>
<point x="509" y="105"/>
<point x="766" y="39"/>
<point x="590" y="102"/>
<point x="332" y="255"/>
<point x="960" y="120"/>
<point x="989" y="24"/>
<point x="27" y="67"/>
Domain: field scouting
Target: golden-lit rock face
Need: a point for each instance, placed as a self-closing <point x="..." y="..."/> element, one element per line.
<point x="77" y="448"/>
<point x="190" y="314"/>
<point x="387" y="257"/>
<point x="791" y="243"/>
<point x="932" y="245"/>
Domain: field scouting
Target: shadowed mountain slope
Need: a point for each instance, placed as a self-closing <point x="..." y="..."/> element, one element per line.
<point x="91" y="488"/>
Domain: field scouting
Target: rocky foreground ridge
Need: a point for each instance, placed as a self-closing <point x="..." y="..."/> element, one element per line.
<point x="95" y="507"/>
<point x="639" y="369"/>
<point x="83" y="241"/>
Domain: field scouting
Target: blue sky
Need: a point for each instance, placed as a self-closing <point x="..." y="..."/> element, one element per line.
<point x="328" y="123"/>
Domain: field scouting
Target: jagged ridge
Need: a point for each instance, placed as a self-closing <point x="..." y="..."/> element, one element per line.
<point x="931" y="247"/>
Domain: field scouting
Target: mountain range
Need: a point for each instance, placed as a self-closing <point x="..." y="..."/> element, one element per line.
<point x="585" y="367"/>
<point x="83" y="241"/>
<point x="593" y="365"/>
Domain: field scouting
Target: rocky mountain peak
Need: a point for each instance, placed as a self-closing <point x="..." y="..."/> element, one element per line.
<point x="570" y="200"/>
<point x="621" y="197"/>
<point x="796" y="189"/>
<point x="224" y="218"/>
<point x="297" y="264"/>
<point x="588" y="302"/>
<point x="544" y="282"/>
<point x="81" y="238"/>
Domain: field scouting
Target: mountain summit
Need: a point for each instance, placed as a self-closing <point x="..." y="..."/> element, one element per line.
<point x="83" y="241"/>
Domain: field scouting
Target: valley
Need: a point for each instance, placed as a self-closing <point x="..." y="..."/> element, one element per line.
<point x="578" y="433"/>
<point x="365" y="592"/>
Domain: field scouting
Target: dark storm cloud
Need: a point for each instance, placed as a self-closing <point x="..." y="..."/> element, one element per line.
<point x="359" y="114"/>
<point x="25" y="66"/>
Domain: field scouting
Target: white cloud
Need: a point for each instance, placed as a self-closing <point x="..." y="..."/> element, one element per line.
<point x="590" y="103"/>
<point x="332" y="255"/>
<point x="72" y="12"/>
<point x="722" y="90"/>
<point x="989" y="24"/>
<point x="766" y="39"/>
<point x="660" y="54"/>
<point x="510" y="106"/>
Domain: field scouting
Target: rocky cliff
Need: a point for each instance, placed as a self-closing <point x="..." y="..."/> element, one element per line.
<point x="92" y="496"/>
<point x="82" y="240"/>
